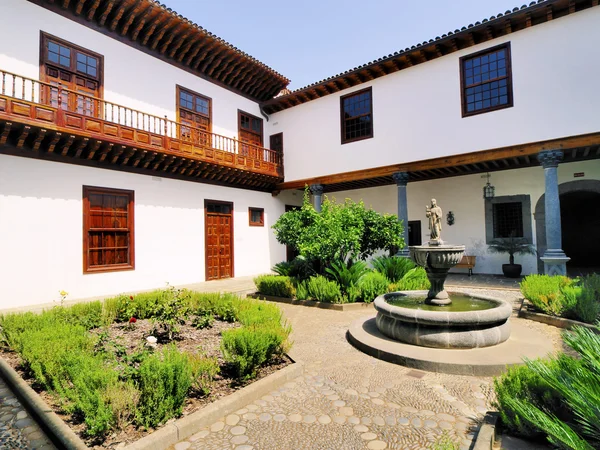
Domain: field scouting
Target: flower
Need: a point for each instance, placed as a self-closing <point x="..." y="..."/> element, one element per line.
<point x="151" y="341"/>
<point x="132" y="320"/>
<point x="63" y="293"/>
<point x="131" y="297"/>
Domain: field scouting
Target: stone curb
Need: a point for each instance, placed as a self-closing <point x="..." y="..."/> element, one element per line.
<point x="187" y="426"/>
<point x="314" y="304"/>
<point x="56" y="429"/>
<point x="485" y="287"/>
<point x="559" y="322"/>
<point x="487" y="432"/>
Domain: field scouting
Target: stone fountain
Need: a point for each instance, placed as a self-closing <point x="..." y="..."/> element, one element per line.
<point x="436" y="318"/>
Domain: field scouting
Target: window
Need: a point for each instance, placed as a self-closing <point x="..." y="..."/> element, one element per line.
<point x="357" y="116"/>
<point x="250" y="131"/>
<point x="508" y="215"/>
<point x="486" y="81"/>
<point x="257" y="217"/>
<point x="194" y="114"/>
<point x="276" y="142"/>
<point x="73" y="68"/>
<point x="108" y="235"/>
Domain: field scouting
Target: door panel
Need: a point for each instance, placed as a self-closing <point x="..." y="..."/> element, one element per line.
<point x="219" y="242"/>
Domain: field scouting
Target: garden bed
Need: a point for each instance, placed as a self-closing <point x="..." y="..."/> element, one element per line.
<point x="528" y="311"/>
<point x="205" y="359"/>
<point x="312" y="303"/>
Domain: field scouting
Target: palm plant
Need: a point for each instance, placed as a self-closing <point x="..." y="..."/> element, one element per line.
<point x="346" y="274"/>
<point x="513" y="246"/>
<point x="393" y="267"/>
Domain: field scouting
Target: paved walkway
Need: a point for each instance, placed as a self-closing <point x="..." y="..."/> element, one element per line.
<point x="17" y="429"/>
<point x="348" y="400"/>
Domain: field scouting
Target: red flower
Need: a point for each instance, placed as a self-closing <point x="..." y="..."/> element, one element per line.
<point x="131" y="297"/>
<point x="132" y="320"/>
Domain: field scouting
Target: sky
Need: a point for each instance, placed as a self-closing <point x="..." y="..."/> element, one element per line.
<point x="309" y="40"/>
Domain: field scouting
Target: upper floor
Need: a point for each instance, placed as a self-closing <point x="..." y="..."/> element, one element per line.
<point x="133" y="84"/>
<point x="525" y="77"/>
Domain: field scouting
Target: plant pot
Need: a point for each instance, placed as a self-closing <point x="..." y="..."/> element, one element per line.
<point x="512" y="270"/>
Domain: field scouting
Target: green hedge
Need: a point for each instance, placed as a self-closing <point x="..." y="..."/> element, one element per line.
<point x="93" y="377"/>
<point x="275" y="285"/>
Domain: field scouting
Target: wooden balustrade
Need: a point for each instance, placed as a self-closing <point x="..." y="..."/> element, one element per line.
<point x="47" y="102"/>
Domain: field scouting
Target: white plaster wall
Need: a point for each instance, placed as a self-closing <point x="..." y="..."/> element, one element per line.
<point x="41" y="231"/>
<point x="131" y="78"/>
<point x="464" y="197"/>
<point x="417" y="111"/>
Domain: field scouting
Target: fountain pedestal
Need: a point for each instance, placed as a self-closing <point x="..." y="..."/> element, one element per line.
<point x="437" y="260"/>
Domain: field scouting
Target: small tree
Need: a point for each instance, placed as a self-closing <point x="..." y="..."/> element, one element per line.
<point x="341" y="231"/>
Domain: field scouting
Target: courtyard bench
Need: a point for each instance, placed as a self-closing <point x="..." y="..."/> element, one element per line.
<point x="467" y="262"/>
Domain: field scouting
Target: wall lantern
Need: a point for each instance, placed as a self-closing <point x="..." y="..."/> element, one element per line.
<point x="450" y="218"/>
<point x="488" y="190"/>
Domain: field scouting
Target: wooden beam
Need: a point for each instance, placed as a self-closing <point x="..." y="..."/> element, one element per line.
<point x="94" y="146"/>
<point x="204" y="53"/>
<point x="492" y="155"/>
<point x="107" y="9"/>
<point x="117" y="153"/>
<point x="508" y="26"/>
<point x="134" y="11"/>
<point x="142" y="18"/>
<point x="172" y="35"/>
<point x="149" y="158"/>
<point x="128" y="154"/>
<point x="184" y="50"/>
<point x="191" y="56"/>
<point x="160" y="34"/>
<point x="24" y="133"/>
<point x="234" y="73"/>
<point x="140" y="155"/>
<point x="105" y="151"/>
<point x="549" y="13"/>
<point x="117" y="17"/>
<point x="66" y="3"/>
<point x="158" y="161"/>
<point x="5" y="133"/>
<point x="168" y="162"/>
<point x="92" y="10"/>
<point x="211" y="58"/>
<point x="79" y="6"/>
<point x="80" y="146"/>
<point x="150" y="32"/>
<point x="67" y="145"/>
<point x="38" y="140"/>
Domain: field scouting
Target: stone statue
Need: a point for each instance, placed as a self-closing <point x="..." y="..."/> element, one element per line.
<point x="434" y="213"/>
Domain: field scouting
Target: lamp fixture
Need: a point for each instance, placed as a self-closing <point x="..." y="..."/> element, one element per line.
<point x="488" y="190"/>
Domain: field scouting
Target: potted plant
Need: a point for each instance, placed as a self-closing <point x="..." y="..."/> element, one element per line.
<point x="513" y="246"/>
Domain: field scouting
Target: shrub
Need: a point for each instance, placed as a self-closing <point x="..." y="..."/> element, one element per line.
<point x="573" y="420"/>
<point x="222" y="306"/>
<point x="122" y="400"/>
<point x="393" y="267"/>
<point x="372" y="285"/>
<point x="544" y="292"/>
<point x="171" y="310"/>
<point x="587" y="307"/>
<point x="300" y="268"/>
<point x="247" y="349"/>
<point x="204" y="371"/>
<point x="321" y="289"/>
<point x="347" y="276"/>
<point x="302" y="290"/>
<point x="276" y="285"/>
<point x="414" y="280"/>
<point x="164" y="381"/>
<point x="204" y="320"/>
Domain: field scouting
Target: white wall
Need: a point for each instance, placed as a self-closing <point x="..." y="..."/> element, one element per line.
<point x="417" y="111"/>
<point x="131" y="78"/>
<point x="41" y="231"/>
<point x="464" y="197"/>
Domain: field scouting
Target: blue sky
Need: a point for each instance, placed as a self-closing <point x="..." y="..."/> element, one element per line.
<point x="308" y="40"/>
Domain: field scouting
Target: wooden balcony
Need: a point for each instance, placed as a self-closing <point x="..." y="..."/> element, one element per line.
<point x="45" y="121"/>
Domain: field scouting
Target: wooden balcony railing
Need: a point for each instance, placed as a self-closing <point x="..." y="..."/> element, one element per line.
<point x="67" y="109"/>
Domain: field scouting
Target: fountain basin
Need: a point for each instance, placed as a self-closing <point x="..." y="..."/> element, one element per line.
<point x="442" y="329"/>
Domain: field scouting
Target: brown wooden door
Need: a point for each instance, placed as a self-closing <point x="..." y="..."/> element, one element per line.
<point x="219" y="240"/>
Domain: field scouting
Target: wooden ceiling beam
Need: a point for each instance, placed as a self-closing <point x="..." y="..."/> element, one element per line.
<point x="117" y="16"/>
<point x="220" y="63"/>
<point x="169" y="38"/>
<point x="149" y="158"/>
<point x="105" y="151"/>
<point x="143" y="17"/>
<point x="191" y="54"/>
<point x="228" y="79"/>
<point x="161" y="32"/>
<point x="213" y="55"/>
<point x="139" y="156"/>
<point x="107" y="9"/>
<point x="81" y="145"/>
<point x="151" y="29"/>
<point x="127" y="156"/>
<point x="205" y="50"/>
<point x="158" y="161"/>
<point x="131" y="15"/>
<point x="67" y="145"/>
<point x="53" y="142"/>
<point x="92" y="149"/>
<point x="117" y="153"/>
<point x="184" y="50"/>
<point x="79" y="6"/>
<point x="38" y="140"/>
<point x="66" y="3"/>
<point x="92" y="10"/>
<point x="23" y="136"/>
<point x="180" y="41"/>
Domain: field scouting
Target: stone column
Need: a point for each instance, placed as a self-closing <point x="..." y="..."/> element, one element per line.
<point x="401" y="179"/>
<point x="555" y="260"/>
<point x="317" y="191"/>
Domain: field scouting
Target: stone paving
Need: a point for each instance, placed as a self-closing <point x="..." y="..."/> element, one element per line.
<point x="17" y="429"/>
<point x="348" y="400"/>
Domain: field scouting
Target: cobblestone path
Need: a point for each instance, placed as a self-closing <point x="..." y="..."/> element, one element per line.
<point x="348" y="400"/>
<point x="17" y="429"/>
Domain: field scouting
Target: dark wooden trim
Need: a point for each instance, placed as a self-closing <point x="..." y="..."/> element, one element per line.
<point x="262" y="125"/>
<point x="219" y="202"/>
<point x="86" y="226"/>
<point x="531" y="148"/>
<point x="343" y="121"/>
<point x="44" y="37"/>
<point x="509" y="77"/>
<point x="251" y="209"/>
<point x="178" y="89"/>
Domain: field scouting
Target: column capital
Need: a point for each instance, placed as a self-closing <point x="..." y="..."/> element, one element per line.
<point x="550" y="158"/>
<point x="316" y="189"/>
<point x="401" y="178"/>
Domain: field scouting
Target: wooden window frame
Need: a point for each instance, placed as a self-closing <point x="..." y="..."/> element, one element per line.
<point x="343" y="119"/>
<point x="45" y="37"/>
<point x="509" y="78"/>
<point x="261" y="223"/>
<point x="86" y="228"/>
<point x="279" y="135"/>
<point x="178" y="89"/>
<point x="262" y="127"/>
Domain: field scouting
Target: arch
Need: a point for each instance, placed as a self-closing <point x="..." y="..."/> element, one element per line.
<point x="540" y="211"/>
